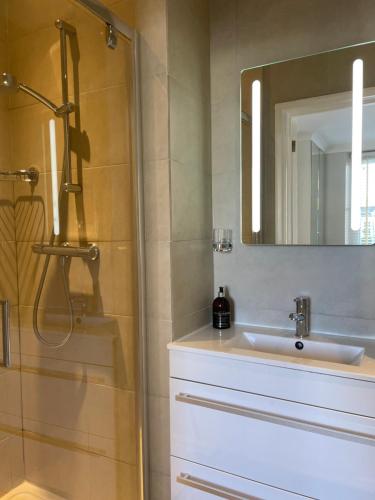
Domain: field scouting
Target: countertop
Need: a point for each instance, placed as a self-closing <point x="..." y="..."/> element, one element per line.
<point x="208" y="340"/>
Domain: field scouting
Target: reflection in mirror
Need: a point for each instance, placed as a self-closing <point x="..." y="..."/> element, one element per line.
<point x="308" y="150"/>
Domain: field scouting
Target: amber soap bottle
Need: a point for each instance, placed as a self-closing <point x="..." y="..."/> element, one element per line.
<point x="221" y="311"/>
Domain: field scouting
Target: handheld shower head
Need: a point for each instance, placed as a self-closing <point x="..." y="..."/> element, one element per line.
<point x="9" y="83"/>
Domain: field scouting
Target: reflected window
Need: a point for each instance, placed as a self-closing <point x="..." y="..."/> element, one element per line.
<point x="366" y="234"/>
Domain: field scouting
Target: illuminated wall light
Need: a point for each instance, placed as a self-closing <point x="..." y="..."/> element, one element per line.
<point x="54" y="181"/>
<point x="357" y="113"/>
<point x="256" y="155"/>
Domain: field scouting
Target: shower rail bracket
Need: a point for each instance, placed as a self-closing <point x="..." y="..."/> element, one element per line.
<point x="65" y="109"/>
<point x="90" y="252"/>
<point x="72" y="188"/>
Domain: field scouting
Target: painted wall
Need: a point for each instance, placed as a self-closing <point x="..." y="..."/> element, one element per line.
<point x="263" y="281"/>
<point x="335" y="182"/>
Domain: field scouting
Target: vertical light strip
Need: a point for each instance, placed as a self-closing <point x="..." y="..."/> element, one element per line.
<point x="357" y="113"/>
<point x="54" y="182"/>
<point x="255" y="152"/>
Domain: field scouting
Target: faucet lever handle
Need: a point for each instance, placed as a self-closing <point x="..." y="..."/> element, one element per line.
<point x="299" y="317"/>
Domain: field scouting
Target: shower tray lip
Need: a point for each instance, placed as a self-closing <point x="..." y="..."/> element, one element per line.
<point x="30" y="491"/>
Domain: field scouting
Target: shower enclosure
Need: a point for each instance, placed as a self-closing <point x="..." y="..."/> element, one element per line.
<point x="70" y="379"/>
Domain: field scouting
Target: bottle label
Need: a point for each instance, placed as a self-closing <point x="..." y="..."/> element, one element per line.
<point x="221" y="319"/>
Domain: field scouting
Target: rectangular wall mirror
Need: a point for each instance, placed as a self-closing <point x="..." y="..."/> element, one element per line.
<point x="308" y="150"/>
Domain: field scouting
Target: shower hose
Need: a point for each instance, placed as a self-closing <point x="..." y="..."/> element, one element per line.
<point x="64" y="262"/>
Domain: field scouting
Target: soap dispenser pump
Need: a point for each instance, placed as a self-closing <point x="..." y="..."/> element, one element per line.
<point x="221" y="311"/>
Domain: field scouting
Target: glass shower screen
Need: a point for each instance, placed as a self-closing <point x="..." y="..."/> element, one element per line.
<point x="69" y="419"/>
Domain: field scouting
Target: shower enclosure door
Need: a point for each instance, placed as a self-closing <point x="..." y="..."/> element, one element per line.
<point x="70" y="419"/>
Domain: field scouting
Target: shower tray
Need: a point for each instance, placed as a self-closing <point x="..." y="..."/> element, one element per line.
<point x="28" y="491"/>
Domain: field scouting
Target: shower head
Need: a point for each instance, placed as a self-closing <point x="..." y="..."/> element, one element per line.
<point x="9" y="83"/>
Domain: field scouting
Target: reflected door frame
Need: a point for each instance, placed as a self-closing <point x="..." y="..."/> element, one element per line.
<point x="286" y="167"/>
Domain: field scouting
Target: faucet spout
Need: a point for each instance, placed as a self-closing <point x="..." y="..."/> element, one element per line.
<point x="301" y="316"/>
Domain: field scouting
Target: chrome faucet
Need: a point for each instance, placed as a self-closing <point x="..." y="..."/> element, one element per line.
<point x="301" y="316"/>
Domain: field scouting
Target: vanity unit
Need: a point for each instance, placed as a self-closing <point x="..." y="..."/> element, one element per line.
<point x="258" y="413"/>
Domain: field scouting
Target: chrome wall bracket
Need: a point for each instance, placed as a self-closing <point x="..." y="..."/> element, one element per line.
<point x="30" y="175"/>
<point x="111" y="37"/>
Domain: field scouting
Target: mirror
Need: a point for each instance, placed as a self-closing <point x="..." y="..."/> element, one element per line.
<point x="308" y="150"/>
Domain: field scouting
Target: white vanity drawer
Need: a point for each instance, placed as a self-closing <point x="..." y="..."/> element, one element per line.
<point x="195" y="482"/>
<point x="298" y="384"/>
<point x="310" y="451"/>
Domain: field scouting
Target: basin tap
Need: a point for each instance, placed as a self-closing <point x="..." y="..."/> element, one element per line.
<point x="301" y="316"/>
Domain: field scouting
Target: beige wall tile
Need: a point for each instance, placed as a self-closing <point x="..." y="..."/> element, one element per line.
<point x="189" y="126"/>
<point x="151" y="22"/>
<point x="191" y="322"/>
<point x="159" y="334"/>
<point x="189" y="44"/>
<point x="56" y="401"/>
<point x="102" y="348"/>
<point x="30" y="138"/>
<point x="7" y="215"/>
<point x="157" y="200"/>
<point x="105" y="210"/>
<point x="44" y="76"/>
<point x="159" y="434"/>
<point x="192" y="276"/>
<point x="10" y="405"/>
<point x="8" y="272"/>
<point x="155" y="139"/>
<point x="191" y="201"/>
<point x="112" y="415"/>
<point x="112" y="480"/>
<point x="107" y="414"/>
<point x="158" y="280"/>
<point x="64" y="471"/>
<point x="33" y="19"/>
<point x="160" y="486"/>
<point x="15" y="450"/>
<point x="99" y="66"/>
<point x="5" y="163"/>
<point x="124" y="9"/>
<point x="5" y="468"/>
<point x="62" y="437"/>
<point x="109" y="144"/>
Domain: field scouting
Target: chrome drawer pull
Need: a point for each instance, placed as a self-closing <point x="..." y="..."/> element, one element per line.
<point x="213" y="489"/>
<point x="6" y="332"/>
<point x="274" y="418"/>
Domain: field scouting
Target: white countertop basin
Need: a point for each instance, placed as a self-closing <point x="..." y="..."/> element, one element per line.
<point x="338" y="355"/>
<point x="301" y="348"/>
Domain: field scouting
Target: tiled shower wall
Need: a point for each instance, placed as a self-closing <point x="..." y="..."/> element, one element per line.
<point x="11" y="448"/>
<point x="80" y="402"/>
<point x="264" y="280"/>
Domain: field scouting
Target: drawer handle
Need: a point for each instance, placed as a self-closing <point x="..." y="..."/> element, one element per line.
<point x="214" y="489"/>
<point x="274" y="418"/>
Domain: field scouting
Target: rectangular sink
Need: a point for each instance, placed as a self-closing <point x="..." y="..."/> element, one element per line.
<point x="299" y="348"/>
